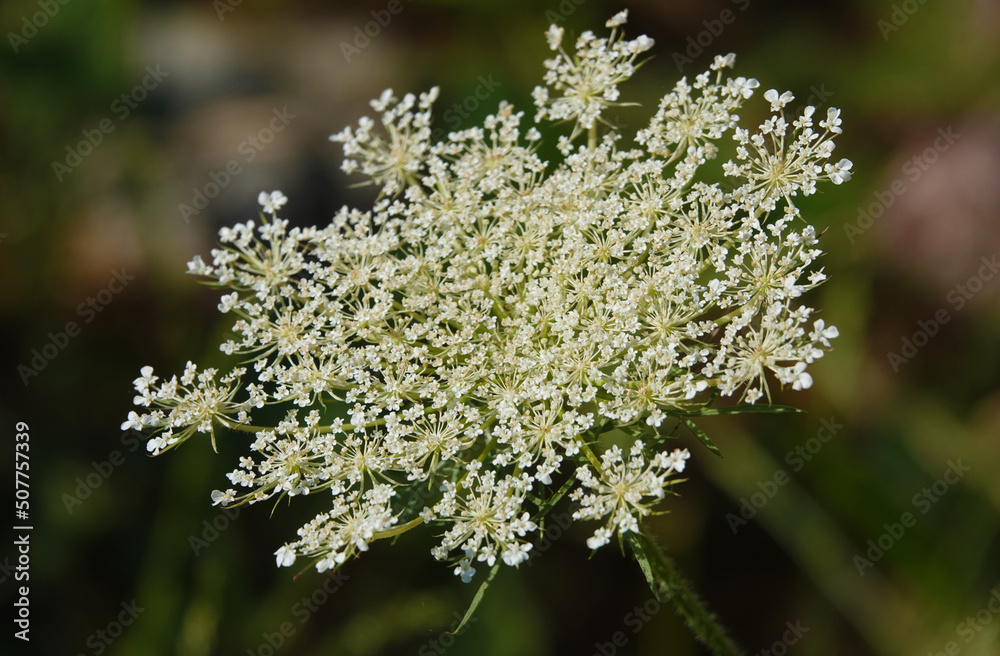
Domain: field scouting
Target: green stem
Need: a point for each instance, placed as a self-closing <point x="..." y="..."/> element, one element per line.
<point x="398" y="530"/>
<point x="489" y="447"/>
<point x="591" y="456"/>
<point x="667" y="583"/>
<point x="247" y="428"/>
<point x="723" y="320"/>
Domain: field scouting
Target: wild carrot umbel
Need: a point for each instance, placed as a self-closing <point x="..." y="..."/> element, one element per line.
<point x="453" y="356"/>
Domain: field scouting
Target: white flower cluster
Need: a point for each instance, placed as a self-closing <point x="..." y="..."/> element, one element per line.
<point x="619" y="492"/>
<point x="587" y="80"/>
<point x="453" y="356"/>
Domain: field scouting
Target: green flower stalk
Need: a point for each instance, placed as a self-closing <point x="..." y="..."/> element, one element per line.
<point x="493" y="314"/>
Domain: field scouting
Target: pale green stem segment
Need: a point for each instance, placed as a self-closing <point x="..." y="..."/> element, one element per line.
<point x="398" y="530"/>
<point x="667" y="584"/>
<point x="591" y="456"/>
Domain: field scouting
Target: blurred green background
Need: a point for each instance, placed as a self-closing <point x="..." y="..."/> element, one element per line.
<point x="905" y="246"/>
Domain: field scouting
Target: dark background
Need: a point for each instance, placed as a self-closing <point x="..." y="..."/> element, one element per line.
<point x="898" y="424"/>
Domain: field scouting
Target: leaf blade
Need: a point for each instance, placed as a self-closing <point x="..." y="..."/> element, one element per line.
<point x="745" y="409"/>
<point x="478" y="598"/>
<point x="701" y="435"/>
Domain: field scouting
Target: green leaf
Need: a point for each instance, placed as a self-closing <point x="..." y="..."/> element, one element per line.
<point x="545" y="506"/>
<point x="478" y="598"/>
<point x="647" y="570"/>
<point x="700" y="434"/>
<point x="636" y="431"/>
<point x="744" y="409"/>
<point x="712" y="397"/>
<point x="276" y="502"/>
<point x="667" y="583"/>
